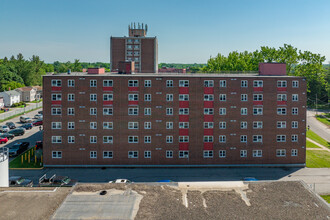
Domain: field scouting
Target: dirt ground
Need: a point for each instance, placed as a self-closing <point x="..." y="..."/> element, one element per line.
<point x="30" y="205"/>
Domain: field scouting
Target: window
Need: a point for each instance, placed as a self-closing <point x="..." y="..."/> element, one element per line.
<point x="244" y="97"/>
<point x="222" y="111"/>
<point x="147" y="111"/>
<point x="70" y="97"/>
<point x="107" y="154"/>
<point x="93" y="125"/>
<point x="243" y="125"/>
<point x="294" y="138"/>
<point x="56" y="139"/>
<point x="169" y="125"/>
<point x="133" y="111"/>
<point x="133" y="139"/>
<point x="183" y="154"/>
<point x="169" y="111"/>
<point x="208" y="139"/>
<point x="133" y="154"/>
<point x="169" y="97"/>
<point x="280" y="152"/>
<point x="169" y="154"/>
<point x="281" y="83"/>
<point x="108" y="97"/>
<point x="133" y="125"/>
<point x="93" y="139"/>
<point x="243" y="138"/>
<point x="208" y="83"/>
<point x="222" y="153"/>
<point x="295" y="97"/>
<point x="257" y="97"/>
<point x="257" y="83"/>
<point x="294" y="152"/>
<point x="136" y="47"/>
<point x="208" y="98"/>
<point x="147" y="125"/>
<point x="147" y="83"/>
<point x="57" y="154"/>
<point x="70" y="83"/>
<point x="281" y="97"/>
<point x="183" y="139"/>
<point x="133" y="83"/>
<point x="147" y="97"/>
<point x="169" y="83"/>
<point x="57" y="97"/>
<point x="147" y="154"/>
<point x="107" y="83"/>
<point x="107" y="111"/>
<point x="56" y="125"/>
<point x="281" y="138"/>
<point x="208" y="153"/>
<point x="257" y="124"/>
<point x="70" y="125"/>
<point x="107" y="139"/>
<point x="93" y="154"/>
<point x="281" y="111"/>
<point x="257" y="138"/>
<point x="222" y="138"/>
<point x="208" y="125"/>
<point x="281" y="124"/>
<point x="243" y="153"/>
<point x="183" y="111"/>
<point x="56" y="82"/>
<point x="222" y="125"/>
<point x="169" y="139"/>
<point x="222" y="97"/>
<point x="133" y="97"/>
<point x="93" y="97"/>
<point x="183" y="97"/>
<point x="294" y="124"/>
<point x="243" y="111"/>
<point x="294" y="111"/>
<point x="107" y="125"/>
<point x="70" y="111"/>
<point x="244" y="83"/>
<point x="183" y="83"/>
<point x="147" y="139"/>
<point x="92" y="111"/>
<point x="257" y="153"/>
<point x="295" y="84"/>
<point x="257" y="111"/>
<point x="183" y="124"/>
<point x="71" y="139"/>
<point x="208" y="111"/>
<point x="92" y="83"/>
<point x="223" y="83"/>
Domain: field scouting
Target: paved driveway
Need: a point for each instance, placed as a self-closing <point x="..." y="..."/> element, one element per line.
<point x="319" y="128"/>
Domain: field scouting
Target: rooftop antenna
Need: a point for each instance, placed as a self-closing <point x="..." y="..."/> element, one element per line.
<point x="142" y="26"/>
<point x="146" y="27"/>
<point x="134" y="25"/>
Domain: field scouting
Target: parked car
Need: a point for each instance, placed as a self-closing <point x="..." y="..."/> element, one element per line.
<point x="247" y="179"/>
<point x="120" y="181"/>
<point x="38" y="116"/>
<point x="38" y="145"/>
<point x="17" y="131"/>
<point x="56" y="181"/>
<point x="18" y="148"/>
<point x="3" y="140"/>
<point x="19" y="181"/>
<point x="4" y="128"/>
<point x="40" y="112"/>
<point x="27" y="126"/>
<point x="7" y="135"/>
<point x="11" y="125"/>
<point x="37" y="123"/>
<point x="25" y="119"/>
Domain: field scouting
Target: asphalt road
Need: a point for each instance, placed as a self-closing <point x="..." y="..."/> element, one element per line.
<point x="319" y="128"/>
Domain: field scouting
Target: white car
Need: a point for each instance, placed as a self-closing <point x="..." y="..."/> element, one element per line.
<point x="120" y="181"/>
<point x="38" y="116"/>
<point x="4" y="128"/>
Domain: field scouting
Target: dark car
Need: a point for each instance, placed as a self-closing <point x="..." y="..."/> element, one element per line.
<point x="11" y="125"/>
<point x="17" y="131"/>
<point x="40" y="112"/>
<point x="37" y="123"/>
<point x="38" y="145"/>
<point x="56" y="181"/>
<point x="18" y="148"/>
<point x="27" y="126"/>
<point x="20" y="181"/>
<point x="7" y="135"/>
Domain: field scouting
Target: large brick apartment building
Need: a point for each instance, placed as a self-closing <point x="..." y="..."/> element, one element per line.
<point x="174" y="119"/>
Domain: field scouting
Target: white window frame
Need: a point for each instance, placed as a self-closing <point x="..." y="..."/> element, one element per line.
<point x="222" y="153"/>
<point x="281" y="84"/>
<point x="147" y="125"/>
<point x="208" y="139"/>
<point x="243" y="138"/>
<point x="133" y="154"/>
<point x="281" y="111"/>
<point x="107" y="111"/>
<point x="71" y="83"/>
<point x="183" y="154"/>
<point x="280" y="152"/>
<point x="257" y="111"/>
<point x="147" y="154"/>
<point x="107" y="83"/>
<point x="222" y="97"/>
<point x="257" y="125"/>
<point x="108" y="125"/>
<point x="133" y="97"/>
<point x="184" y="139"/>
<point x="93" y="83"/>
<point x="222" y="138"/>
<point x="208" y="125"/>
<point x="71" y="111"/>
<point x="183" y="97"/>
<point x="295" y="97"/>
<point x="294" y="152"/>
<point x="147" y="83"/>
<point x="169" y="139"/>
<point x="208" y="83"/>
<point x="257" y="138"/>
<point x="56" y="125"/>
<point x="133" y="125"/>
<point x="294" y="124"/>
<point x="222" y="125"/>
<point x="257" y="153"/>
<point x="71" y="139"/>
<point x="133" y="83"/>
<point x="93" y="97"/>
<point x="183" y="83"/>
<point x="133" y="139"/>
<point x="295" y="84"/>
<point x="208" y="111"/>
<point x="281" y="138"/>
<point x="93" y="125"/>
<point x="244" y="83"/>
<point x="107" y="154"/>
<point x="108" y="97"/>
<point x="184" y="125"/>
<point x="71" y="97"/>
<point x="294" y="138"/>
<point x="107" y="139"/>
<point x="208" y="97"/>
<point x="258" y="83"/>
<point x="147" y="97"/>
<point x="222" y="111"/>
<point x="281" y="124"/>
<point x="93" y="111"/>
<point x="243" y="153"/>
<point x="169" y="97"/>
<point x="183" y="111"/>
<point x="223" y="83"/>
<point x="147" y="139"/>
<point x="169" y="83"/>
<point x="244" y="97"/>
<point x="243" y="124"/>
<point x="71" y="125"/>
<point x="208" y="153"/>
<point x="93" y="139"/>
<point x="56" y="139"/>
<point x="169" y="154"/>
<point x="294" y="111"/>
<point x="244" y="111"/>
<point x="169" y="125"/>
<point x="169" y="111"/>
<point x="133" y="111"/>
<point x="147" y="111"/>
<point x="56" y="82"/>
<point x="56" y="111"/>
<point x="56" y="154"/>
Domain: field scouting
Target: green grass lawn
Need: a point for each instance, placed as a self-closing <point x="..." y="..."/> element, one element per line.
<point x="2" y="111"/>
<point x="311" y="145"/>
<point x="36" y="101"/>
<point x="324" y="118"/>
<point x="326" y="198"/>
<point x="317" y="159"/>
<point x="17" y="162"/>
<point x="318" y="139"/>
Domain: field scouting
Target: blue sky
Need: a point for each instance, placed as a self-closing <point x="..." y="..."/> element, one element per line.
<point x="188" y="31"/>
